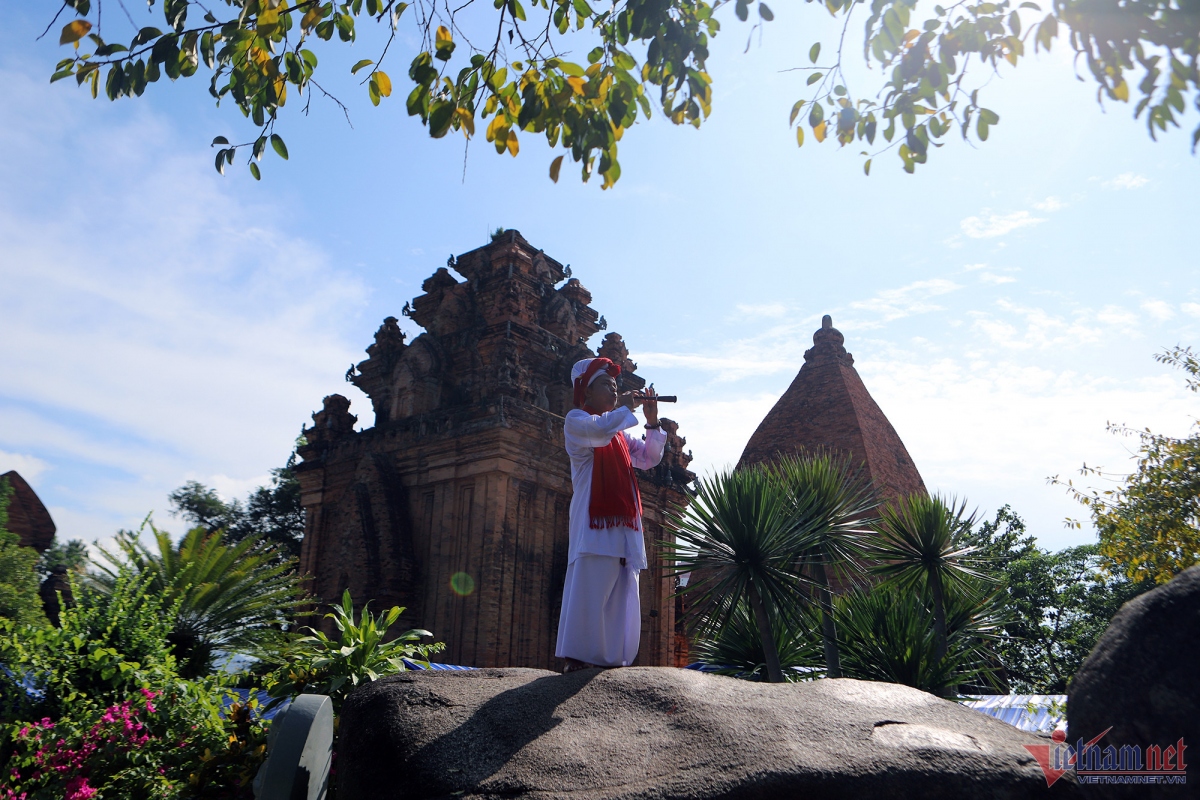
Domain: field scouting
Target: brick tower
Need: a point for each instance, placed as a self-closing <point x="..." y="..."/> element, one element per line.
<point x="27" y="517"/>
<point x="827" y="406"/>
<point x="455" y="503"/>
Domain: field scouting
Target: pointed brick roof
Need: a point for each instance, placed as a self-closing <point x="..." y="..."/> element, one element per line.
<point x="827" y="406"/>
<point x="27" y="517"/>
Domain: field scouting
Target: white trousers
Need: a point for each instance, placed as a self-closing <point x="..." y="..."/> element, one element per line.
<point x="601" y="619"/>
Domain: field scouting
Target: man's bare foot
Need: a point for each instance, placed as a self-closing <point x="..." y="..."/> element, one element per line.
<point x="574" y="664"/>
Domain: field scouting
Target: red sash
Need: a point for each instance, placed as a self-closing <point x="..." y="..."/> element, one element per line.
<point x="616" y="501"/>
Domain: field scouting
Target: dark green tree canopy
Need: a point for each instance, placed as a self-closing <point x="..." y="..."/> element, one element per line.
<point x="272" y="513"/>
<point x="504" y="69"/>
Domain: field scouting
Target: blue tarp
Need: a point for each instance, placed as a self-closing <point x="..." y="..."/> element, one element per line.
<point x="424" y="665"/>
<point x="1029" y="712"/>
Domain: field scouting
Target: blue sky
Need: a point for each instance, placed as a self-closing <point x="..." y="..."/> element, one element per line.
<point x="163" y="323"/>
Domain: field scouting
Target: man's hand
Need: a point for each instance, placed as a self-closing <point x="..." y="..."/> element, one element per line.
<point x="650" y="406"/>
<point x="629" y="400"/>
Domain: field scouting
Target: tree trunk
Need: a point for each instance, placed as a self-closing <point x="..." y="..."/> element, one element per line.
<point x="939" y="617"/>
<point x="766" y="635"/>
<point x="833" y="663"/>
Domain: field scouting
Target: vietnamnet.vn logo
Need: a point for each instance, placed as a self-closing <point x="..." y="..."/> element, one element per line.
<point x="1092" y="763"/>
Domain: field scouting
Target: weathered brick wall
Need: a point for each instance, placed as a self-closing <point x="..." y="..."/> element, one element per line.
<point x="27" y="517"/>
<point x="828" y="407"/>
<point x="455" y="503"/>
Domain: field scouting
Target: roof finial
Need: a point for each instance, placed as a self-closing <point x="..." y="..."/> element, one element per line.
<point x="826" y="322"/>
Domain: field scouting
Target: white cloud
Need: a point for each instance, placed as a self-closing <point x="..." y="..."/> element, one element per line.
<point x="993" y="430"/>
<point x="994" y="279"/>
<point x="168" y="327"/>
<point x="1050" y="204"/>
<point x="1127" y="180"/>
<point x="915" y="298"/>
<point x="1158" y="309"/>
<point x="1118" y="317"/>
<point x="768" y="310"/>
<point x="996" y="225"/>
<point x="28" y="466"/>
<point x="1017" y="327"/>
<point x="974" y="267"/>
<point x="730" y="367"/>
<point x="1192" y="309"/>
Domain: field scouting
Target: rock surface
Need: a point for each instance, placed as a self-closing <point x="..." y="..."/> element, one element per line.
<point x="1143" y="679"/>
<point x="645" y="732"/>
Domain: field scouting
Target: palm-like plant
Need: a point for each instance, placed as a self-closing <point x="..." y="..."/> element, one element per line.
<point x="737" y="649"/>
<point x="920" y="546"/>
<point x="885" y="635"/>
<point x="738" y="542"/>
<point x="233" y="598"/>
<point x="830" y="504"/>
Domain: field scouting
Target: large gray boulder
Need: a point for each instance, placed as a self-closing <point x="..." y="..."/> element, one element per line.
<point x="1143" y="679"/>
<point x="646" y="732"/>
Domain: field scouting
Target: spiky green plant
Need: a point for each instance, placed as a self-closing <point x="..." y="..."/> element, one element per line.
<point x="886" y="634"/>
<point x="739" y="544"/>
<point x="921" y="546"/>
<point x="234" y="598"/>
<point x="737" y="648"/>
<point x="831" y="505"/>
<point x="359" y="654"/>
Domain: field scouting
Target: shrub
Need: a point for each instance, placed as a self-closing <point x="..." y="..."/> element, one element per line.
<point x="97" y="707"/>
<point x="318" y="664"/>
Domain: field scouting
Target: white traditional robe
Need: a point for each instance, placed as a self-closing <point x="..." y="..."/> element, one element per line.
<point x="601" y="619"/>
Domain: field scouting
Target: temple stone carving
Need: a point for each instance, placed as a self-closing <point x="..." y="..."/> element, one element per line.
<point x="454" y="504"/>
<point x="828" y="407"/>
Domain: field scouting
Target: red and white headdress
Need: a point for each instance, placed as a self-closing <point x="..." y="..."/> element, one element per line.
<point x="588" y="370"/>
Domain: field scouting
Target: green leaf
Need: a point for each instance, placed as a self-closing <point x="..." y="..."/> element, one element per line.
<point x="765" y="12"/>
<point x="220" y="162"/>
<point x="280" y="147"/>
<point x="555" y="166"/>
<point x="254" y="171"/>
<point x="145" y="35"/>
<point x="867" y="167"/>
<point x="796" y="111"/>
<point x="816" y="76"/>
<point x="219" y="140"/>
<point x="814" y="52"/>
<point x="366" y="62"/>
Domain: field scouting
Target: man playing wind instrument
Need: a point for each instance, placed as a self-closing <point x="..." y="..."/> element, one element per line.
<point x="601" y="622"/>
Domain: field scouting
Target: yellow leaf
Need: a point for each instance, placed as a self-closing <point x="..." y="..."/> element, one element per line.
<point x="74" y="31"/>
<point x="1122" y="92"/>
<point x="555" y="166"/>
<point x="443" y="37"/>
<point x="494" y="127"/>
<point x="577" y="85"/>
<point x="513" y="146"/>
<point x="385" y="83"/>
<point x="819" y="132"/>
<point x="311" y="18"/>
<point x="800" y="136"/>
<point x="468" y="121"/>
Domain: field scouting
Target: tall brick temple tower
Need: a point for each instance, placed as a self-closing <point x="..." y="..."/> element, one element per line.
<point x="828" y="407"/>
<point x="455" y="503"/>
